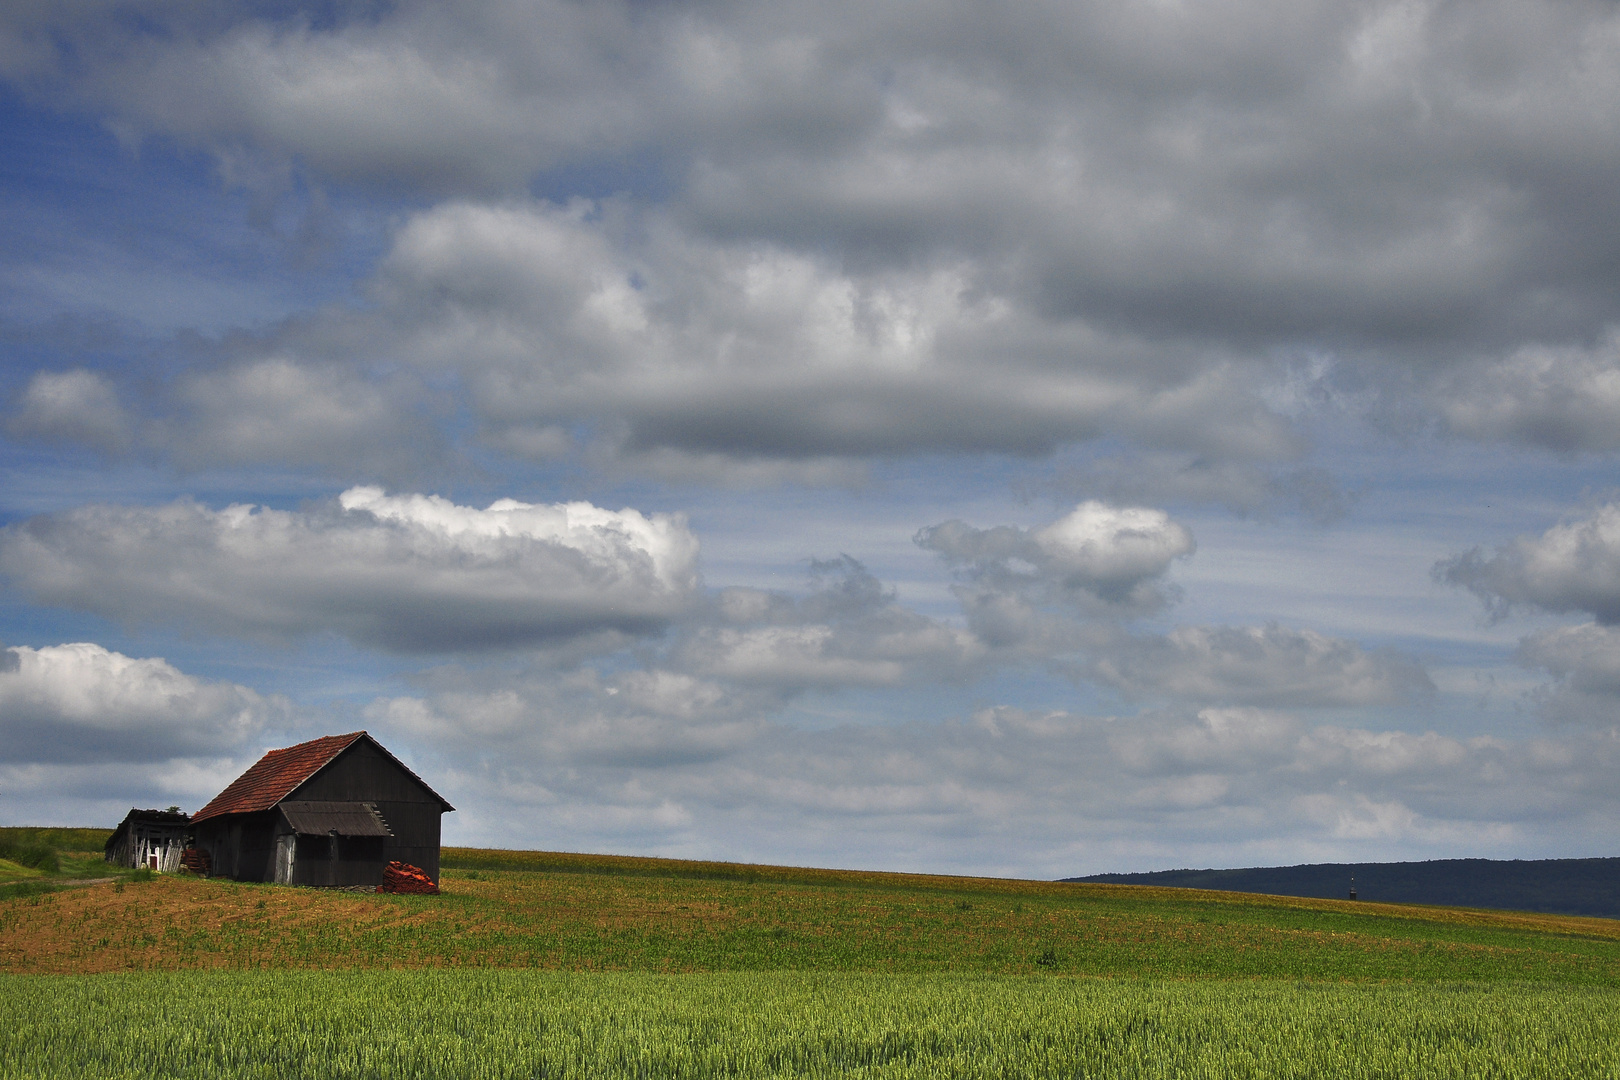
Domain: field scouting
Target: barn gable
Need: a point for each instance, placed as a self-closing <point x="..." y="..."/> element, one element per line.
<point x="332" y="811"/>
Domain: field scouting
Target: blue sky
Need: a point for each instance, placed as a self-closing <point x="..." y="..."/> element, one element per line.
<point x="1029" y="440"/>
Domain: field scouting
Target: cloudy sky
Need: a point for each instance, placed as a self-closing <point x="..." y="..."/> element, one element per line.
<point x="1029" y="439"/>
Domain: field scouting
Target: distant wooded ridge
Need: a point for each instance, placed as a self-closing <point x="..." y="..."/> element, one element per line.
<point x="1555" y="886"/>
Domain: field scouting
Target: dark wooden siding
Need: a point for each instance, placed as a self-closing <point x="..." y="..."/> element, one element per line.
<point x="362" y="773"/>
<point x="415" y="826"/>
<point x="329" y="861"/>
<point x="239" y="846"/>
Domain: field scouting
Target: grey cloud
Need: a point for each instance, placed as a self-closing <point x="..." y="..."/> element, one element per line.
<point x="645" y="719"/>
<point x="402" y="573"/>
<point x="732" y="470"/>
<point x="1371" y="170"/>
<point x="1585" y="664"/>
<point x="254" y="410"/>
<point x="1097" y="556"/>
<point x="684" y="349"/>
<point x="849" y="631"/>
<point x="1332" y="171"/>
<point x="1246" y="488"/>
<point x="422" y="95"/>
<point x="81" y="703"/>
<point x="1050" y="793"/>
<point x="613" y="333"/>
<point x="104" y="791"/>
<point x="1566" y="399"/>
<point x="76" y="406"/>
<point x="1015" y="623"/>
<point x="931" y="228"/>
<point x="1248" y="665"/>
<point x="272" y="410"/>
<point x="1588" y="654"/>
<point x="1213" y="741"/>
<point x="1573" y="566"/>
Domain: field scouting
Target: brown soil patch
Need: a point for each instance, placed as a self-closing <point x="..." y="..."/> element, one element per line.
<point x="171" y="922"/>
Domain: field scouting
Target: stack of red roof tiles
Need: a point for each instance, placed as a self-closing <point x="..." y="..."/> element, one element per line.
<point x="401" y="877"/>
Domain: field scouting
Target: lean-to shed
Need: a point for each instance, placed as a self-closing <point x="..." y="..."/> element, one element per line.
<point x="333" y="811"/>
<point x="149" y="838"/>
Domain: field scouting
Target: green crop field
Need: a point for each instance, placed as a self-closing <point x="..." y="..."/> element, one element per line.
<point x="543" y="964"/>
<point x="506" y="1024"/>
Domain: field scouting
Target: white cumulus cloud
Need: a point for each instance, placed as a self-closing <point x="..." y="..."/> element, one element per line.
<point x="83" y="703"/>
<point x="1573" y="566"/>
<point x="410" y="573"/>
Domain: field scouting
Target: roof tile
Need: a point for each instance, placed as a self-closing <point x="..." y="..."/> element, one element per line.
<point x="274" y="776"/>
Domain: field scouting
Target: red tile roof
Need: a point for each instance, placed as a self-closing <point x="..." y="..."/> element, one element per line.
<point x="275" y="776"/>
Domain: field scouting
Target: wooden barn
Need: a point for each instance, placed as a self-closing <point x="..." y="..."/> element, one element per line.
<point x="330" y="812"/>
<point x="150" y="838"/>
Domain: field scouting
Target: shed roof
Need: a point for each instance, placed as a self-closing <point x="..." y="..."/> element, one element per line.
<point x="316" y="818"/>
<point x="175" y="819"/>
<point x="157" y="817"/>
<point x="280" y="772"/>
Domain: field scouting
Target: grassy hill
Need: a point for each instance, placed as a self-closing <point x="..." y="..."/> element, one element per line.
<point x="35" y="860"/>
<point x="555" y="964"/>
<point x="62" y="839"/>
<point x="591" y="913"/>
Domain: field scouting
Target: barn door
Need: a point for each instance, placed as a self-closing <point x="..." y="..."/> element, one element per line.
<point x="286" y="844"/>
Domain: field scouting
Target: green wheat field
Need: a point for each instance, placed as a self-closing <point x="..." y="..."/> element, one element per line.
<point x="540" y="964"/>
